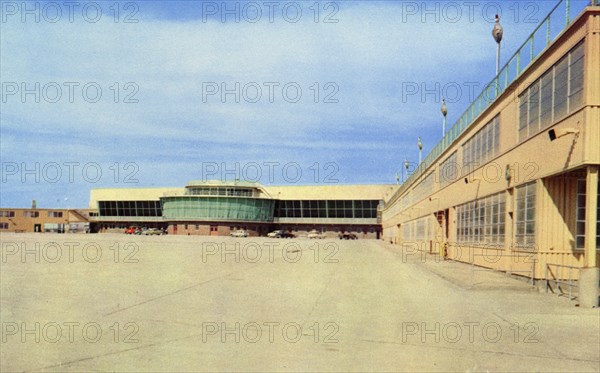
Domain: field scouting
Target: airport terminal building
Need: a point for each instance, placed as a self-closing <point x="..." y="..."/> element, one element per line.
<point x="218" y="208"/>
<point x="513" y="185"/>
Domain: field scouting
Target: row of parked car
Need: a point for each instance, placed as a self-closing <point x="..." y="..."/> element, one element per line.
<point x="145" y="231"/>
<point x="314" y="234"/>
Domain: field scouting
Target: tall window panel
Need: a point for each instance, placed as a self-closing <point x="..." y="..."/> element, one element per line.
<point x="523" y="115"/>
<point x="546" y="103"/>
<point x="580" y="218"/>
<point x="525" y="216"/>
<point x="407" y="232"/>
<point x="341" y="209"/>
<point x="448" y="170"/>
<point x="424" y="188"/>
<point x="482" y="221"/>
<point x="130" y="208"/>
<point x="576" y="78"/>
<point x="416" y="230"/>
<point x="482" y="147"/>
<point x="561" y="88"/>
<point x="533" y="122"/>
<point x="420" y="230"/>
<point x="556" y="94"/>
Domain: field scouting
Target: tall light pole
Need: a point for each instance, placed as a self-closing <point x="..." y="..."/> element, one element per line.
<point x="420" y="145"/>
<point x="397" y="178"/>
<point x="406" y="167"/>
<point x="444" y="110"/>
<point x="497" y="33"/>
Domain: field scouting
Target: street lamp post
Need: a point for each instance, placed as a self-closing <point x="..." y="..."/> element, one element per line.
<point x="444" y="111"/>
<point x="420" y="145"/>
<point x="497" y="33"/>
<point x="406" y="168"/>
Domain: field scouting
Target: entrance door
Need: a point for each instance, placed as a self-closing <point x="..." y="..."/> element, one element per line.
<point x="214" y="230"/>
<point x="446" y="225"/>
<point x="37" y="228"/>
<point x="441" y="235"/>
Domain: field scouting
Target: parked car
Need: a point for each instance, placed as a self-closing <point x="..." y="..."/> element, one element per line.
<point x="152" y="232"/>
<point x="275" y="234"/>
<point x="315" y="234"/>
<point x="347" y="236"/>
<point x="133" y="230"/>
<point x="281" y="234"/>
<point x="239" y="233"/>
<point x="288" y="235"/>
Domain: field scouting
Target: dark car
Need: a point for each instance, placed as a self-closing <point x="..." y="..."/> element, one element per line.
<point x="281" y="234"/>
<point x="347" y="236"/>
<point x="287" y="235"/>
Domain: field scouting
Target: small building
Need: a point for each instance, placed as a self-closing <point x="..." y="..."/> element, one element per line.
<point x="22" y="220"/>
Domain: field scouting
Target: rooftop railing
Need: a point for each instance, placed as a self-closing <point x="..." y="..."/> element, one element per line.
<point x="544" y="34"/>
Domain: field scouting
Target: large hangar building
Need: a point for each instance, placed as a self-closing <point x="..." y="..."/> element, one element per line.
<point x="513" y="185"/>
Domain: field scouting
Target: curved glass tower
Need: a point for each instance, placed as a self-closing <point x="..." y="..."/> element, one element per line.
<point x="217" y="201"/>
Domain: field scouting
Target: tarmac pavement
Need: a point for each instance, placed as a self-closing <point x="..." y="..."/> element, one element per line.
<point x="97" y="303"/>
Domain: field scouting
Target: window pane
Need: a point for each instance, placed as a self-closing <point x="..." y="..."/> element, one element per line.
<point x="534" y="108"/>
<point x="560" y="89"/>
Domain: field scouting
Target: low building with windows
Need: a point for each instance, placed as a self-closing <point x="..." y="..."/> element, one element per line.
<point x="513" y="185"/>
<point x="20" y="220"/>
<point x="218" y="208"/>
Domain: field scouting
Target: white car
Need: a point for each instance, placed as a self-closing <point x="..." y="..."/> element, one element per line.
<point x="315" y="234"/>
<point x="152" y="232"/>
<point x="275" y="234"/>
<point x="239" y="233"/>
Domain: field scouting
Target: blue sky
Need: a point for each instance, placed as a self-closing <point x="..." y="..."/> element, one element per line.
<point x="157" y="123"/>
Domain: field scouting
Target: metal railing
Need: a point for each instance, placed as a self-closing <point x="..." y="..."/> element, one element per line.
<point x="525" y="257"/>
<point x="528" y="273"/>
<point x="537" y="42"/>
<point x="557" y="279"/>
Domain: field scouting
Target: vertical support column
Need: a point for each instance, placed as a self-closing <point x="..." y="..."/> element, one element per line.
<point x="509" y="224"/>
<point x="540" y="242"/>
<point x="591" y="215"/>
<point x="453" y="247"/>
<point x="592" y="91"/>
<point x="590" y="273"/>
<point x="508" y="219"/>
